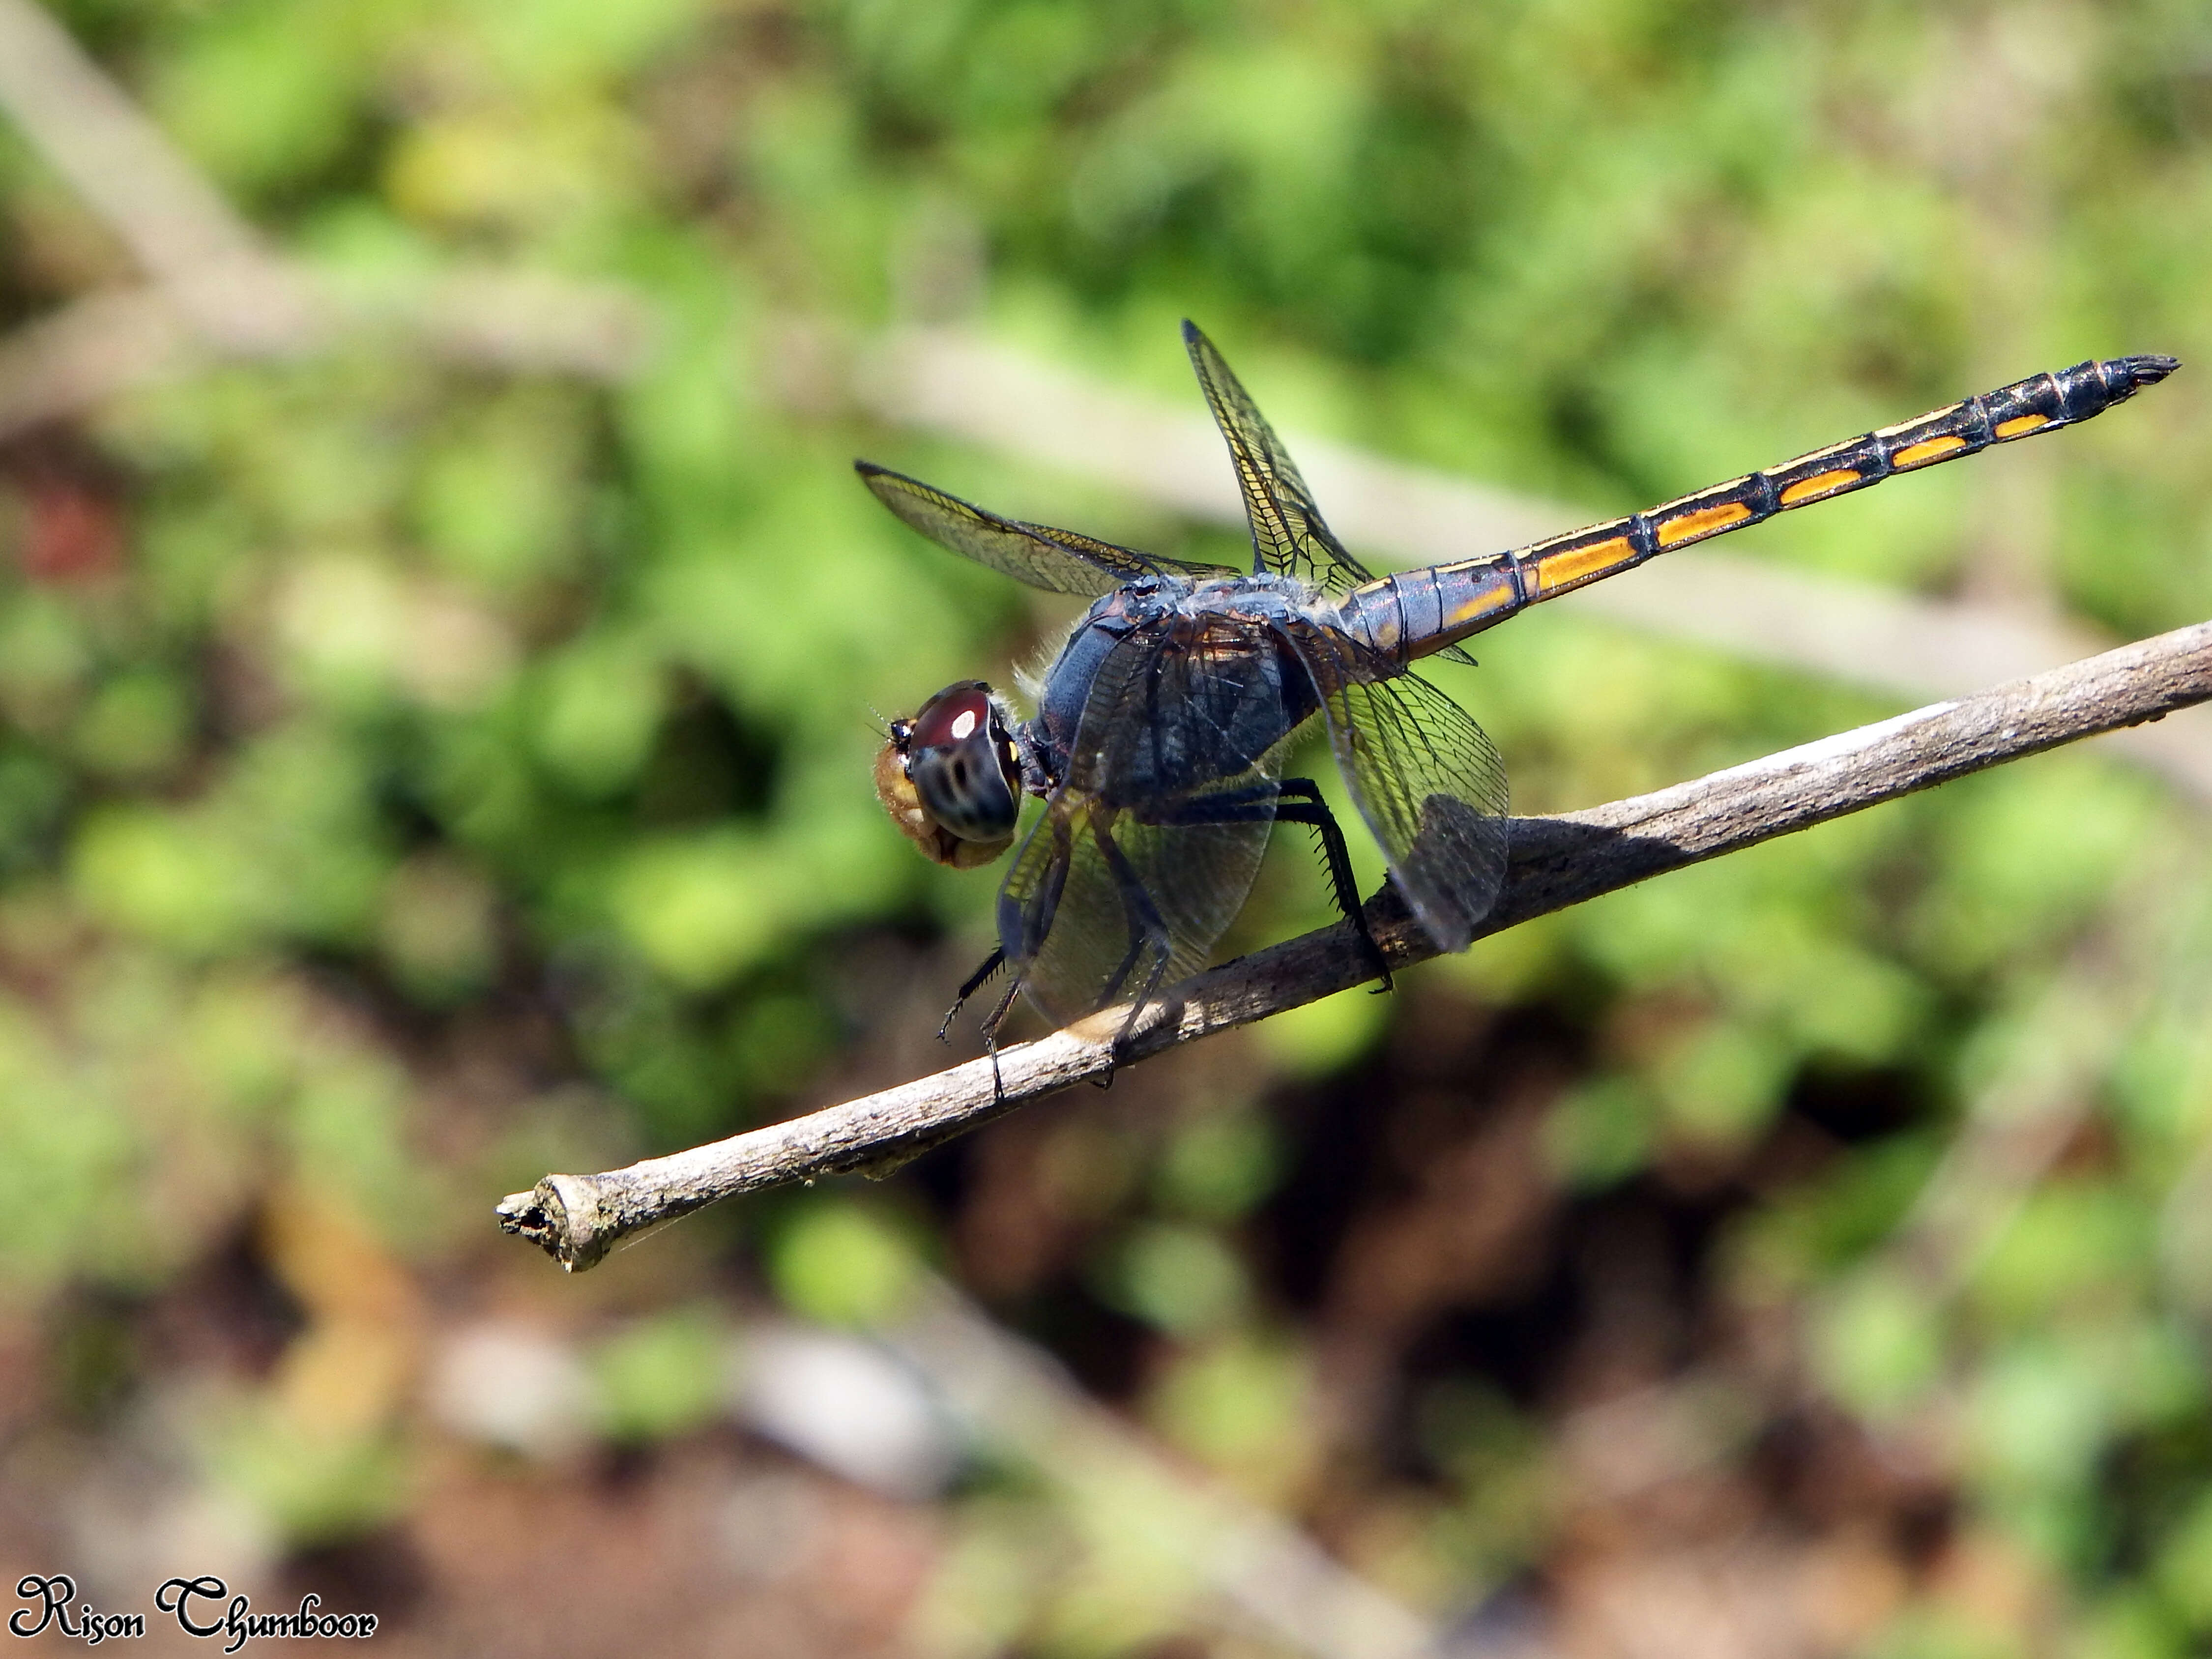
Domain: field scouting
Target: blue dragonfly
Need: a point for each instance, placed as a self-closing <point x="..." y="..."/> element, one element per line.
<point x="1162" y="726"/>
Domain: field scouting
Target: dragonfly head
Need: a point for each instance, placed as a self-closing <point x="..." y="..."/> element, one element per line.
<point x="949" y="777"/>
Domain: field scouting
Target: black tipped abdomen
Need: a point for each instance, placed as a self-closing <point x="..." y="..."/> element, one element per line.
<point x="1417" y="612"/>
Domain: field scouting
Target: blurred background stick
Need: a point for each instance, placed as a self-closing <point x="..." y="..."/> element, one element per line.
<point x="436" y="628"/>
<point x="219" y="289"/>
<point x="177" y="225"/>
<point x="1556" y="862"/>
<point x="1269" y="1572"/>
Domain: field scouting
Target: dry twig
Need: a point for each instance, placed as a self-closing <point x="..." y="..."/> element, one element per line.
<point x="1556" y="862"/>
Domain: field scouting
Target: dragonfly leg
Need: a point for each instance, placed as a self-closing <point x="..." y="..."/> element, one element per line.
<point x="1147" y="931"/>
<point x="975" y="982"/>
<point x="1293" y="800"/>
<point x="992" y="1022"/>
<point x="1023" y="921"/>
<point x="1026" y="919"/>
<point x="1301" y="803"/>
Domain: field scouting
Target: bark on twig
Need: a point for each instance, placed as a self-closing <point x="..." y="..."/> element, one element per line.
<point x="1556" y="862"/>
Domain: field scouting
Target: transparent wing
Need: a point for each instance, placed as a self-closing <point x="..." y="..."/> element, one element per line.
<point x="1287" y="530"/>
<point x="1181" y="707"/>
<point x="1147" y="851"/>
<point x="1080" y="936"/>
<point x="1057" y="561"/>
<point x="1427" y="780"/>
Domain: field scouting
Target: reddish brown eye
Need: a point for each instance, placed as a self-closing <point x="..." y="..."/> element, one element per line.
<point x="952" y="716"/>
<point x="949" y="777"/>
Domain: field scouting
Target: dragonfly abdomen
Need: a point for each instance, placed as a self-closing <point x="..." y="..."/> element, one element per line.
<point x="1417" y="612"/>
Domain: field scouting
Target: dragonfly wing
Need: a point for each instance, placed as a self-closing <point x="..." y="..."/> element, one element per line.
<point x="1427" y="778"/>
<point x="1288" y="532"/>
<point x="1181" y="706"/>
<point x="1129" y="558"/>
<point x="1084" y="927"/>
<point x="1148" y="849"/>
<point x="1030" y="896"/>
<point x="1057" y="561"/>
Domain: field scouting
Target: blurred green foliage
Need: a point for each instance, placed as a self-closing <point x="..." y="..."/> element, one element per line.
<point x="661" y="1377"/>
<point x="357" y="710"/>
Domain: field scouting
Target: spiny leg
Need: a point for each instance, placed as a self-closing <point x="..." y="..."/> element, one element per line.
<point x="1146" y="928"/>
<point x="1032" y="920"/>
<point x="1293" y="800"/>
<point x="1303" y="804"/>
<point x="992" y="1021"/>
<point x="975" y="982"/>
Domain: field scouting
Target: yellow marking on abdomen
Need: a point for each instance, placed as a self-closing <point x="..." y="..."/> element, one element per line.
<point x="1703" y="522"/>
<point x="1480" y="604"/>
<point x="1820" y="485"/>
<point x="1573" y="563"/>
<point x="2021" y="425"/>
<point x="1929" y="449"/>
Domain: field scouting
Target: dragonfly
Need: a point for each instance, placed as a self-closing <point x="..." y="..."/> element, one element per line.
<point x="1163" y="724"/>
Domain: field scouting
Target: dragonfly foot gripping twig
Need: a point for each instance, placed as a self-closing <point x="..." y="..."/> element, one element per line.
<point x="1555" y="862"/>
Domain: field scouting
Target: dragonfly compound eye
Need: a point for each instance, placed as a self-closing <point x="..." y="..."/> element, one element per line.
<point x="950" y="780"/>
